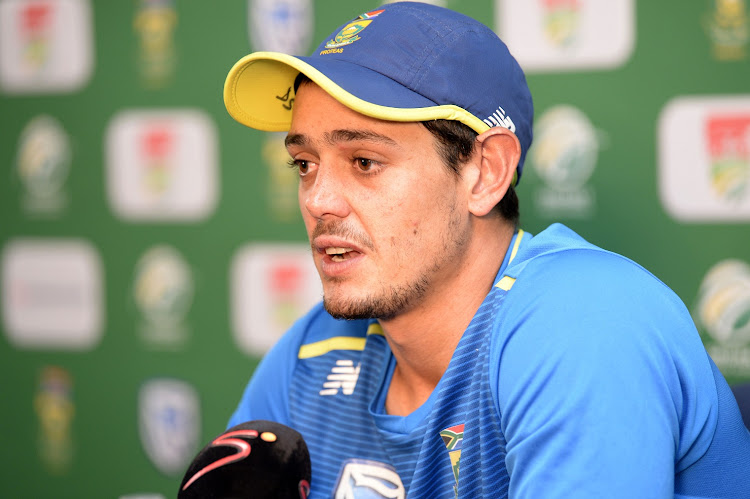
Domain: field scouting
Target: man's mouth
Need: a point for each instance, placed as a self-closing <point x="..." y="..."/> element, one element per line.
<point x="338" y="254"/>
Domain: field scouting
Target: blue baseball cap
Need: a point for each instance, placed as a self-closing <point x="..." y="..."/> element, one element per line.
<point x="405" y="61"/>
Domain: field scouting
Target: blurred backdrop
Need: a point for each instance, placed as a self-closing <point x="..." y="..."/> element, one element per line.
<point x="151" y="249"/>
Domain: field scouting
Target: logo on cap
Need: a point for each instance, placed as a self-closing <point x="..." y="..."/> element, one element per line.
<point x="350" y="33"/>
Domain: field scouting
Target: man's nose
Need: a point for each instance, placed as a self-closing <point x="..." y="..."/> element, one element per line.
<point x="326" y="196"/>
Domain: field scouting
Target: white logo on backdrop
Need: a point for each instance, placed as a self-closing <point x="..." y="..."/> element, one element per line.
<point x="281" y="25"/>
<point x="562" y="35"/>
<point x="45" y="46"/>
<point x="272" y="285"/>
<point x="52" y="294"/>
<point x="704" y="158"/>
<point x="162" y="165"/>
<point x="169" y="423"/>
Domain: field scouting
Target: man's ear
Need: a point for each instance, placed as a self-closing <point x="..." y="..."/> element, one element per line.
<point x="497" y="153"/>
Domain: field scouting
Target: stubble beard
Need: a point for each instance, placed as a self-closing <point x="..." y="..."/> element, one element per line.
<point x="392" y="300"/>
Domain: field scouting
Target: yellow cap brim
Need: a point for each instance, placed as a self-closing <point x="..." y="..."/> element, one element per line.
<point x="258" y="93"/>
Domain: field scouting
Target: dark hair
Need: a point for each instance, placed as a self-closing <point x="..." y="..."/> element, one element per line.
<point x="455" y="143"/>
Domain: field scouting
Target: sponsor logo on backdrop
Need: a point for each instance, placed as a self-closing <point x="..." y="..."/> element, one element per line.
<point x="728" y="28"/>
<point x="169" y="423"/>
<point x="728" y="141"/>
<point x="157" y="143"/>
<point x="43" y="164"/>
<point x="52" y="294"/>
<point x="281" y="190"/>
<point x="370" y="479"/>
<point x="564" y="156"/>
<point x="163" y="291"/>
<point x="723" y="316"/>
<point x="55" y="409"/>
<point x="154" y="24"/>
<point x="560" y="35"/>
<point x="45" y="46"/>
<point x="272" y="285"/>
<point x="704" y="158"/>
<point x="281" y="25"/>
<point x="162" y="165"/>
<point x="561" y="20"/>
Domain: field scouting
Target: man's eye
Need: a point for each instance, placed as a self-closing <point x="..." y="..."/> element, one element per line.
<point x="301" y="165"/>
<point x="365" y="164"/>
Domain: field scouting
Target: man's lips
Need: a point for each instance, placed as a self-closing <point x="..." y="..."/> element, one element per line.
<point x="337" y="254"/>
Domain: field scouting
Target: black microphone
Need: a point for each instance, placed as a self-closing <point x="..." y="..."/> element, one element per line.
<point x="257" y="459"/>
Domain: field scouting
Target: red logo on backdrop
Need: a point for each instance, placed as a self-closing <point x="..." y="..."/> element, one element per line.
<point x="36" y="20"/>
<point x="157" y="146"/>
<point x="36" y="17"/>
<point x="561" y="20"/>
<point x="286" y="278"/>
<point x="728" y="140"/>
<point x="286" y="282"/>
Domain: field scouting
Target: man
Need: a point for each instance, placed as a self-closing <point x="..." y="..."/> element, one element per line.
<point x="455" y="354"/>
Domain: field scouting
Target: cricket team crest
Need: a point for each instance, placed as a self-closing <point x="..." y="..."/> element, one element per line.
<point x="55" y="411"/>
<point x="169" y="422"/>
<point x="43" y="164"/>
<point x="728" y="27"/>
<point x="722" y="314"/>
<point x="350" y="33"/>
<point x="564" y="156"/>
<point x="155" y="23"/>
<point x="453" y="438"/>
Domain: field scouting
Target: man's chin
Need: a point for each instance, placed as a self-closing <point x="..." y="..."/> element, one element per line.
<point x="347" y="311"/>
<point x="353" y="310"/>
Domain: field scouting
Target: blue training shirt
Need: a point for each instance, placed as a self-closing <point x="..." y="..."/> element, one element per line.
<point x="581" y="375"/>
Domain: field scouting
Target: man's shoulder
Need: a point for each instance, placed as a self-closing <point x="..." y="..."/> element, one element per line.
<point x="558" y="255"/>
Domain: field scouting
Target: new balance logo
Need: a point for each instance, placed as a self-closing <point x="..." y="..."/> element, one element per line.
<point x="498" y="118"/>
<point x="343" y="377"/>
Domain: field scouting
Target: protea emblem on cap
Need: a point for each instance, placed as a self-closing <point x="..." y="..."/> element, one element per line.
<point x="350" y="32"/>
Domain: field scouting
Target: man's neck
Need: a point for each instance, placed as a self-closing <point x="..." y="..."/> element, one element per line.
<point x="424" y="338"/>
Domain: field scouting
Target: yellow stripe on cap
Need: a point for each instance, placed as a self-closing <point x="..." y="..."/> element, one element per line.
<point x="258" y="92"/>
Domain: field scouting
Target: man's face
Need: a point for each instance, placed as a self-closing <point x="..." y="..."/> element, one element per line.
<point x="387" y="222"/>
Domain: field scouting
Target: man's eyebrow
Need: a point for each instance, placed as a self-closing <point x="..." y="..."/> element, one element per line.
<point x="337" y="136"/>
<point x="352" y="135"/>
<point x="295" y="139"/>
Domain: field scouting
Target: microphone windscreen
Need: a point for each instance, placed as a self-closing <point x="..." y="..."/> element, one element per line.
<point x="257" y="459"/>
